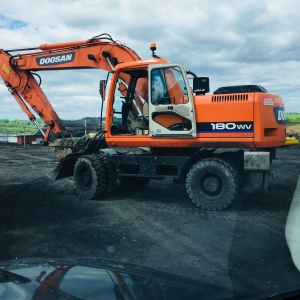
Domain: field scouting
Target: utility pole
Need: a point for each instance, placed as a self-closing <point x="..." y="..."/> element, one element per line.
<point x="24" y="136"/>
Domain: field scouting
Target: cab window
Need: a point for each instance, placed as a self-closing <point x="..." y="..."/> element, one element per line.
<point x="168" y="86"/>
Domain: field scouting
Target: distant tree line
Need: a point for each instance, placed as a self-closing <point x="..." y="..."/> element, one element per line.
<point x="20" y="123"/>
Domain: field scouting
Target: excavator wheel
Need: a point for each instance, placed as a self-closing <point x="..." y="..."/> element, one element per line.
<point x="136" y="182"/>
<point x="89" y="175"/>
<point x="212" y="184"/>
<point x="110" y="174"/>
<point x="95" y="176"/>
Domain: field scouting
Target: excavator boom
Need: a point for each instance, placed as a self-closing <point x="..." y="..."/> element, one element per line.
<point x="100" y="52"/>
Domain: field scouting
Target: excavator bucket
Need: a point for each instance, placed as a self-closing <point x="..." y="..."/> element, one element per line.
<point x="69" y="149"/>
<point x="87" y="143"/>
<point x="66" y="146"/>
<point x="65" y="168"/>
<point x="68" y="152"/>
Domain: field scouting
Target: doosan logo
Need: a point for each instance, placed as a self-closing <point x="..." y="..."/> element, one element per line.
<point x="279" y="114"/>
<point x="55" y="59"/>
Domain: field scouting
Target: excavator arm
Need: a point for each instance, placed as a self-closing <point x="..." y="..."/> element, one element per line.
<point x="17" y="72"/>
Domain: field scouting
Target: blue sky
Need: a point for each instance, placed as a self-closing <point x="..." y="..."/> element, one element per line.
<point x="11" y="24"/>
<point x="230" y="41"/>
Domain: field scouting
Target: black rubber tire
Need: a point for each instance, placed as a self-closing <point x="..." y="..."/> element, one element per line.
<point x="212" y="184"/>
<point x="90" y="178"/>
<point x="136" y="182"/>
<point x="110" y="174"/>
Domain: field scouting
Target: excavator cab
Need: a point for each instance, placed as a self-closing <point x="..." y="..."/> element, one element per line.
<point x="154" y="101"/>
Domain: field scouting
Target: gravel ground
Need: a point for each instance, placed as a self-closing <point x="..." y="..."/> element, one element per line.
<point x="243" y="247"/>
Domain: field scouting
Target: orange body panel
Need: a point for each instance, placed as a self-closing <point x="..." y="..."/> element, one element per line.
<point x="257" y="114"/>
<point x="210" y="109"/>
<point x="270" y="129"/>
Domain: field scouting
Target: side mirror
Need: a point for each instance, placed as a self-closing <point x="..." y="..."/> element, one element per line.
<point x="200" y="85"/>
<point x="102" y="86"/>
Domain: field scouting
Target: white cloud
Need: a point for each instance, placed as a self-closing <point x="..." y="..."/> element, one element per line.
<point x="232" y="42"/>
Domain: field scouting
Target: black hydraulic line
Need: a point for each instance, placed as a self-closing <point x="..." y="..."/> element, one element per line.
<point x="26" y="84"/>
<point x="39" y="77"/>
<point x="104" y="36"/>
<point x="107" y="36"/>
<point x="190" y="72"/>
<point x="22" y="49"/>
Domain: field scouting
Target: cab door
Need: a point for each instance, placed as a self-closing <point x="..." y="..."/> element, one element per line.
<point x="171" y="107"/>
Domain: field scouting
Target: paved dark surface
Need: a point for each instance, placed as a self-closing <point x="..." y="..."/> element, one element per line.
<point x="242" y="247"/>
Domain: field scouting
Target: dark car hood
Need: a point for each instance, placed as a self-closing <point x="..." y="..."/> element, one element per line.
<point x="92" y="278"/>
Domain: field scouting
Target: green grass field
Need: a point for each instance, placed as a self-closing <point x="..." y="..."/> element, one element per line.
<point x="293" y="117"/>
<point x="16" y="127"/>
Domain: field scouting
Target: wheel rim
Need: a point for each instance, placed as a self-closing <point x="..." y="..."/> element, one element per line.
<point x="212" y="185"/>
<point x="85" y="179"/>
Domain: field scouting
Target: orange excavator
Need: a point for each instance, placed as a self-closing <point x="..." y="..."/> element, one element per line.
<point x="158" y="124"/>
